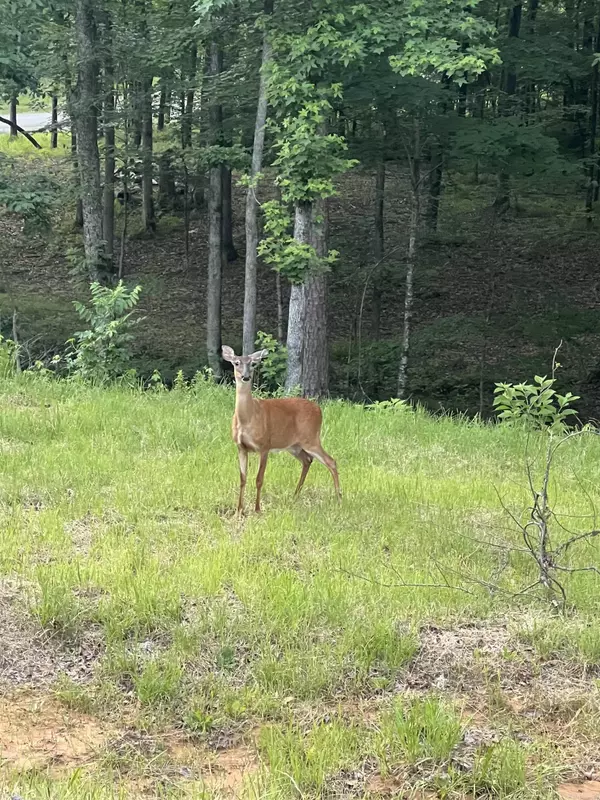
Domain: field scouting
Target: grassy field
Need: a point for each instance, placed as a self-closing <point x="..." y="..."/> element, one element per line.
<point x="152" y="644"/>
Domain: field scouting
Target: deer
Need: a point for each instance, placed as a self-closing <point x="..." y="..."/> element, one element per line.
<point x="270" y="426"/>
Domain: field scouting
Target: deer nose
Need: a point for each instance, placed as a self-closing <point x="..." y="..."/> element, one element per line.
<point x="245" y="379"/>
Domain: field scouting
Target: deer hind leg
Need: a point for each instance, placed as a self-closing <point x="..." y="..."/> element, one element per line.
<point x="243" y="456"/>
<point x="260" y="477"/>
<point x="316" y="451"/>
<point x="306" y="460"/>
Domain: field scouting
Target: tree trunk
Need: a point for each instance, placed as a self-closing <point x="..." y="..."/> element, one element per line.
<point x="78" y="205"/>
<point x="215" y="225"/>
<point x="315" y="356"/>
<point x="166" y="182"/>
<point x="160" y="121"/>
<point x="229" y="250"/>
<point x="436" y="163"/>
<point x="280" y="321"/>
<point x="415" y="213"/>
<point x="148" y="219"/>
<point x="250" y="287"/>
<point x="137" y="102"/>
<point x="215" y="269"/>
<point x="502" y="201"/>
<point x="378" y="243"/>
<point x="188" y="101"/>
<point x="85" y="120"/>
<point x="13" y="116"/>
<point x="109" y="160"/>
<point x="121" y="270"/>
<point x="593" y="168"/>
<point x="297" y="308"/>
<point x="462" y="100"/>
<point x="54" y="122"/>
<point x="514" y="29"/>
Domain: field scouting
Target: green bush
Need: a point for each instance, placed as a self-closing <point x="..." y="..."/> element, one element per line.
<point x="102" y="352"/>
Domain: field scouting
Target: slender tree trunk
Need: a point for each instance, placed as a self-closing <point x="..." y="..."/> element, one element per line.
<point x="166" y="182"/>
<point x="136" y="94"/>
<point x="593" y="168"/>
<point x="13" y="116"/>
<point x="297" y="308"/>
<point x="462" y="100"/>
<point x="148" y="218"/>
<point x="280" y="320"/>
<point x="215" y="270"/>
<point x="109" y="158"/>
<point x="121" y="271"/>
<point x="250" y="286"/>
<point x="78" y="205"/>
<point x="229" y="250"/>
<point x="514" y="29"/>
<point x="85" y="119"/>
<point x="413" y="230"/>
<point x="315" y="356"/>
<point x="215" y="226"/>
<point x="436" y="163"/>
<point x="160" y="120"/>
<point x="502" y="201"/>
<point x="378" y="244"/>
<point x="54" y="122"/>
<point x="167" y="107"/>
<point x="187" y="100"/>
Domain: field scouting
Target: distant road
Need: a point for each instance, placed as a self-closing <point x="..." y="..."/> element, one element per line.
<point x="29" y="120"/>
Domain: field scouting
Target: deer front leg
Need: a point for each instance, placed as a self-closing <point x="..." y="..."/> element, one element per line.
<point x="243" y="456"/>
<point x="260" y="477"/>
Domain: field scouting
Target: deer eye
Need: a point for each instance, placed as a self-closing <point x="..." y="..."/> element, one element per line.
<point x="254" y="363"/>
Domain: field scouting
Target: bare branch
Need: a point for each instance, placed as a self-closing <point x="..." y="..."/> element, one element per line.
<point x="27" y="135"/>
<point x="565" y="546"/>
<point x="403" y="584"/>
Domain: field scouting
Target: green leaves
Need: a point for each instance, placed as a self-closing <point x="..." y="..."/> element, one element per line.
<point x="294" y="260"/>
<point x="535" y="405"/>
<point x="101" y="353"/>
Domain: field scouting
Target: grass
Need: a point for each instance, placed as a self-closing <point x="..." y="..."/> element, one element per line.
<point x="116" y="509"/>
<point x="21" y="146"/>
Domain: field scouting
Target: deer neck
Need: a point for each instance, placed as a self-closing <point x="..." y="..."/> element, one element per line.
<point x="244" y="402"/>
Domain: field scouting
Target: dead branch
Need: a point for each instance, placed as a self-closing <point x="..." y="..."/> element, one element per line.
<point x="27" y="135"/>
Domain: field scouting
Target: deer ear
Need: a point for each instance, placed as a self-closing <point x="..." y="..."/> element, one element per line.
<point x="227" y="353"/>
<point x="260" y="354"/>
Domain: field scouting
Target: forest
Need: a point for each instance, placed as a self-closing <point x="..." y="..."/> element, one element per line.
<point x="389" y="211"/>
<point x="399" y="198"/>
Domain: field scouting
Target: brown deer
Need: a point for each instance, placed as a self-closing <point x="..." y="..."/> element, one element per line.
<point x="266" y="426"/>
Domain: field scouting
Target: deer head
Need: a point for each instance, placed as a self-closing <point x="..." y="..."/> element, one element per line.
<point x="243" y="366"/>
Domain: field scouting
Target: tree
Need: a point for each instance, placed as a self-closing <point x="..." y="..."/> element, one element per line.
<point x="84" y="116"/>
<point x="252" y="235"/>
<point x="215" y="222"/>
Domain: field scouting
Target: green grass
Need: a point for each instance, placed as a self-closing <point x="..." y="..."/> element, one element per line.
<point x="21" y="146"/>
<point x="116" y="509"/>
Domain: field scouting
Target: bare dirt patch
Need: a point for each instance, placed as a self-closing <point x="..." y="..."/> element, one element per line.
<point x="498" y="678"/>
<point x="227" y="771"/>
<point x="32" y="657"/>
<point x="474" y="658"/>
<point x="590" y="790"/>
<point x="37" y="732"/>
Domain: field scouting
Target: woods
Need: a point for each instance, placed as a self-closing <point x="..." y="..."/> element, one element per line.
<point x="178" y="109"/>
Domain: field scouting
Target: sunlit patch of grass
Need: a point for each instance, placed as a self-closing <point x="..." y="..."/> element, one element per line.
<point x="21" y="146"/>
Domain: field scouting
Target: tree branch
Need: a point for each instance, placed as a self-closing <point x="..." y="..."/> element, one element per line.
<point x="21" y="130"/>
